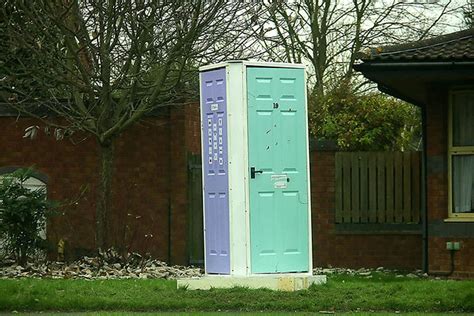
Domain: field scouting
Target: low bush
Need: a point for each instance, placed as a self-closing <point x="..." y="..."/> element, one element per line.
<point x="23" y="214"/>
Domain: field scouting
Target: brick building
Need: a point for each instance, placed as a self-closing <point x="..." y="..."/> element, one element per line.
<point x="438" y="76"/>
<point x="156" y="188"/>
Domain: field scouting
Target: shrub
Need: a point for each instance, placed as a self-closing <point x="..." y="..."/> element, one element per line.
<point x="371" y="121"/>
<point x="23" y="214"/>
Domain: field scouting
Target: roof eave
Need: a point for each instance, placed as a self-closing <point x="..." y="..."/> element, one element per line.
<point x="379" y="64"/>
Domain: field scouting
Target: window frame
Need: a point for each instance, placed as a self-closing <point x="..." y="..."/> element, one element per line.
<point x="456" y="151"/>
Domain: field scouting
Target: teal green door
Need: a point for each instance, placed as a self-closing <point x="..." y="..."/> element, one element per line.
<point x="278" y="181"/>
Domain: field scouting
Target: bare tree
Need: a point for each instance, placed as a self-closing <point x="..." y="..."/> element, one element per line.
<point x="468" y="13"/>
<point x="101" y="66"/>
<point x="327" y="34"/>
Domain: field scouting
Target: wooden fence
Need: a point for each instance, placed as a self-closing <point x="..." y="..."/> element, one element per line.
<point x="378" y="187"/>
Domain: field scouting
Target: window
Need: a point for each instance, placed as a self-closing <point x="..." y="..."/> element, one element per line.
<point x="461" y="154"/>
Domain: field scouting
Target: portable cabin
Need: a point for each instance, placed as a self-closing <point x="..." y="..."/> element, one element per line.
<point x="256" y="191"/>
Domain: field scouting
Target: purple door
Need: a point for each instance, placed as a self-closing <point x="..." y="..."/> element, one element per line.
<point x="214" y="159"/>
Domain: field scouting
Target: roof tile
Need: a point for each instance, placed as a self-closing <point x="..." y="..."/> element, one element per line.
<point x="454" y="46"/>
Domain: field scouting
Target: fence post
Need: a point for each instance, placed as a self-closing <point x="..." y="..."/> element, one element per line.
<point x="364" y="189"/>
<point x="339" y="197"/>
<point x="355" y="185"/>
<point x="380" y="187"/>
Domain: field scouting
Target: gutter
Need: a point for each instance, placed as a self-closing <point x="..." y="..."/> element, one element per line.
<point x="414" y="65"/>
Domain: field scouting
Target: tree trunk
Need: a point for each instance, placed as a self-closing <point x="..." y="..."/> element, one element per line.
<point x="22" y="257"/>
<point x="103" y="194"/>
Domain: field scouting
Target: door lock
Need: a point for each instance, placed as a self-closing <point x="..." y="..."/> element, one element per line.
<point x="253" y="172"/>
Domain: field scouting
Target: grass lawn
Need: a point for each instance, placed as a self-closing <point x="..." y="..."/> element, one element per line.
<point x="342" y="293"/>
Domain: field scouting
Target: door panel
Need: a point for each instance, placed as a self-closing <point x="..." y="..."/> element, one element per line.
<point x="216" y="184"/>
<point x="278" y="148"/>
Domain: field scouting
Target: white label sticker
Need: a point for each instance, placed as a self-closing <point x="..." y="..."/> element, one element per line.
<point x="214" y="107"/>
<point x="280" y="185"/>
<point x="279" y="177"/>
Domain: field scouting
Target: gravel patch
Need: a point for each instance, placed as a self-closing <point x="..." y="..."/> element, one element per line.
<point x="109" y="265"/>
<point x="369" y="272"/>
<point x="101" y="267"/>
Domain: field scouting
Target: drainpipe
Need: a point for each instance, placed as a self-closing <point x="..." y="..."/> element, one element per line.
<point x="424" y="195"/>
<point x="169" y="186"/>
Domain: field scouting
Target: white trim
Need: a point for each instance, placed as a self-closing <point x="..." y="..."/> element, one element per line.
<point x="308" y="180"/>
<point x="230" y="187"/>
<point x="247" y="63"/>
<point x="213" y="66"/>
<point x="459" y="219"/>
<point x="203" y="161"/>
<point x="272" y="65"/>
<point x="245" y="158"/>
<point x="236" y="143"/>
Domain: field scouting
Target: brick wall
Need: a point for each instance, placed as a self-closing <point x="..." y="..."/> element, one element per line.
<point x="149" y="183"/>
<point x="68" y="167"/>
<point x="344" y="248"/>
<point x="439" y="231"/>
<point x="193" y="128"/>
<point x="177" y="183"/>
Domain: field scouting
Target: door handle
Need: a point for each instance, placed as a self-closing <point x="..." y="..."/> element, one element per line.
<point x="253" y="172"/>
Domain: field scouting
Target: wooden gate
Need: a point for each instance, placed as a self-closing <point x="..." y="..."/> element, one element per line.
<point x="195" y="220"/>
<point x="378" y="187"/>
